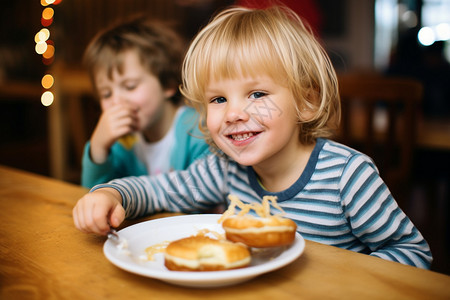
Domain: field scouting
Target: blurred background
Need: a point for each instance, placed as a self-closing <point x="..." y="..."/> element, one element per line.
<point x="48" y="109"/>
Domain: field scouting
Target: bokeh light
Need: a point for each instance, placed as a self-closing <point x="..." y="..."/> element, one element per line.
<point x="47" y="2"/>
<point x="49" y="52"/>
<point x="46" y="48"/>
<point x="46" y="23"/>
<point x="48" y="13"/>
<point x="41" y="47"/>
<point x="47" y="98"/>
<point x="48" y="61"/>
<point x="426" y="36"/>
<point x="443" y="31"/>
<point x="42" y="36"/>
<point x="47" y="81"/>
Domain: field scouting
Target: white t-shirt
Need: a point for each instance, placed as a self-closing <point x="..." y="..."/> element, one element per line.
<point x="156" y="156"/>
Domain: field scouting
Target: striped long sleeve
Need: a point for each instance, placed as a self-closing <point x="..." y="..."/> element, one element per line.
<point x="338" y="200"/>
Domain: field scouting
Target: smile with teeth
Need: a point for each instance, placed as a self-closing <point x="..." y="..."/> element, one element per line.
<point x="243" y="136"/>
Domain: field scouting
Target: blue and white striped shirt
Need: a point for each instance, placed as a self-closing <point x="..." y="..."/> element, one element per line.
<point x="339" y="200"/>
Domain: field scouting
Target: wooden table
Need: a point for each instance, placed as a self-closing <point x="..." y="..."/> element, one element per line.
<point x="43" y="256"/>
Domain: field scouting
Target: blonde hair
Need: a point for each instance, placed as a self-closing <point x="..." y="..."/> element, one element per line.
<point x="273" y="41"/>
<point x="159" y="48"/>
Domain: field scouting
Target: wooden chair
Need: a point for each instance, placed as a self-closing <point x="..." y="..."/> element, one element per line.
<point x="379" y="117"/>
<point x="67" y="121"/>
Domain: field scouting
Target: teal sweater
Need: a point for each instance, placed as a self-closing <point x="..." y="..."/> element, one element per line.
<point x="122" y="160"/>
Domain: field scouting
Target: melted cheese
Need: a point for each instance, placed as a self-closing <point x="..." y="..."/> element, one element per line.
<point x="161" y="247"/>
<point x="214" y="261"/>
<point x="154" y="249"/>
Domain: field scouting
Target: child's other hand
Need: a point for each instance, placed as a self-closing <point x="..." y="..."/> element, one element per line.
<point x="97" y="211"/>
<point x="115" y="122"/>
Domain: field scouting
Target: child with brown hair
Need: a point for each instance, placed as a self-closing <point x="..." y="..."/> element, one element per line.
<point x="144" y="127"/>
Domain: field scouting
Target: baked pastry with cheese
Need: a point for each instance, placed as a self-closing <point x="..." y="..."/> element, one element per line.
<point x="263" y="231"/>
<point x="201" y="253"/>
<point x="260" y="232"/>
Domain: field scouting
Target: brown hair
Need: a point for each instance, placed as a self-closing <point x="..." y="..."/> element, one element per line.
<point x="160" y="50"/>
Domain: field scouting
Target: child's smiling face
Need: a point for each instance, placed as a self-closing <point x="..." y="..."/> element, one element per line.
<point x="252" y="119"/>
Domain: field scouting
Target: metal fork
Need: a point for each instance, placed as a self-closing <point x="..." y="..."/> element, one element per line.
<point x="122" y="246"/>
<point x="120" y="242"/>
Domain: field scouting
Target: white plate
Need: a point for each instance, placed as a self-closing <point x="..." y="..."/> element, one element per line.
<point x="145" y="234"/>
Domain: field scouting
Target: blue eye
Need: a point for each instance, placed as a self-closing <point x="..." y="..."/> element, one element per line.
<point x="218" y="100"/>
<point x="257" y="95"/>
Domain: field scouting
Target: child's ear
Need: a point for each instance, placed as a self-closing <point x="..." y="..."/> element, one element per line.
<point x="169" y="92"/>
<point x="310" y="105"/>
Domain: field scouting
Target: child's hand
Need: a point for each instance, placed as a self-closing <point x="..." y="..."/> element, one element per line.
<point x="115" y="122"/>
<point x="96" y="212"/>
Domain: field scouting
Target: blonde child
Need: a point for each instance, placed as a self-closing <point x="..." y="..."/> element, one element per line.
<point x="135" y="68"/>
<point x="268" y="97"/>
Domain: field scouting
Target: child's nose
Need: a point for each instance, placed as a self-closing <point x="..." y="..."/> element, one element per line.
<point x="236" y="111"/>
<point x="118" y="98"/>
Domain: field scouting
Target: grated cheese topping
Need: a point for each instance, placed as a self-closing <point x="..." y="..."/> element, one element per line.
<point x="261" y="209"/>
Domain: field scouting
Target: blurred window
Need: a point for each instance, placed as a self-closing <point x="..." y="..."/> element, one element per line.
<point x="394" y="17"/>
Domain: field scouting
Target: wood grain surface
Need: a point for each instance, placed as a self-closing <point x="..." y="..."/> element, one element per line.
<point x="43" y="256"/>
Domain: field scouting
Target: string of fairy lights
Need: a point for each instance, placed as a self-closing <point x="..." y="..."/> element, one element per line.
<point x="46" y="47"/>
